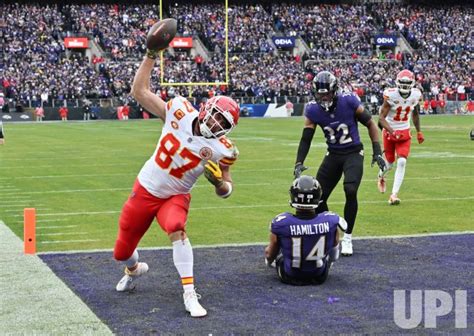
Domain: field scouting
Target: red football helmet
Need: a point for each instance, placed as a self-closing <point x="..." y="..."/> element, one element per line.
<point x="405" y="81"/>
<point x="218" y="116"/>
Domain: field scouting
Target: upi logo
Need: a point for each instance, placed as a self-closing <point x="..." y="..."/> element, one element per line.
<point x="435" y="303"/>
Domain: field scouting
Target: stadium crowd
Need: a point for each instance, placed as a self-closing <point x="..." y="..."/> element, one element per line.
<point x="35" y="62"/>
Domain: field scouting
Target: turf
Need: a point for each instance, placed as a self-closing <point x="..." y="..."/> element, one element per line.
<point x="77" y="176"/>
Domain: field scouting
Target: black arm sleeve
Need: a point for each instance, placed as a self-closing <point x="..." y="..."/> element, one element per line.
<point x="305" y="144"/>
<point x="364" y="118"/>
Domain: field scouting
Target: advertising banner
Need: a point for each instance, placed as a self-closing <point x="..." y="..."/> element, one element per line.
<point x="386" y="40"/>
<point x="182" y="42"/>
<point x="284" y="41"/>
<point x="76" y="42"/>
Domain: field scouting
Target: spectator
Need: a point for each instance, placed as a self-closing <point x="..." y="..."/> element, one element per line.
<point x="63" y="112"/>
<point x="39" y="112"/>
<point x="434" y="105"/>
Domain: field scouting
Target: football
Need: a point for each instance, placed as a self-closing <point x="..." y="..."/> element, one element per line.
<point x="160" y="34"/>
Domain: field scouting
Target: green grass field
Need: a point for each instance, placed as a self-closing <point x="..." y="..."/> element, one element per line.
<point x="77" y="176"/>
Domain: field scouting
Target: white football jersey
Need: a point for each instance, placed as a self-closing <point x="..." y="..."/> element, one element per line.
<point x="180" y="156"/>
<point x="400" y="108"/>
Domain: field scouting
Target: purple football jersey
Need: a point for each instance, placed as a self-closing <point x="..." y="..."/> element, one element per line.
<point x="305" y="243"/>
<point x="339" y="125"/>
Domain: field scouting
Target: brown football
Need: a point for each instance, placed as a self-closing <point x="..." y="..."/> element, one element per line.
<point x="160" y="34"/>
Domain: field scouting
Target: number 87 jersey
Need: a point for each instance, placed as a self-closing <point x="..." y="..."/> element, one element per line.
<point x="400" y="108"/>
<point x="180" y="155"/>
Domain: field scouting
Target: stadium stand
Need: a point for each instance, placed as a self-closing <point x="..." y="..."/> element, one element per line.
<point x="37" y="68"/>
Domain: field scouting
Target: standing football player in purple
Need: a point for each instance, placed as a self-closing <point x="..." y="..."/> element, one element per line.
<point x="304" y="245"/>
<point x="338" y="115"/>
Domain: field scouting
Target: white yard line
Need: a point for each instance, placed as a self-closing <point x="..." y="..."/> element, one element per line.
<point x="28" y="285"/>
<point x="87" y="213"/>
<point x="62" y="234"/>
<point x="205" y="185"/>
<point x="55" y="227"/>
<point x="67" y="241"/>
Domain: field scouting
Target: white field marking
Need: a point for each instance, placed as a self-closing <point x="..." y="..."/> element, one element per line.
<point x="45" y="220"/>
<point x="133" y="174"/>
<point x="452" y="233"/>
<point x="49" y="158"/>
<point x="23" y="303"/>
<point x="414" y="156"/>
<point x="67" y="241"/>
<point x="15" y="196"/>
<point x="75" y="165"/>
<point x="63" y="176"/>
<point x="9" y="189"/>
<point x="205" y="185"/>
<point x="437" y="155"/>
<point x="73" y="191"/>
<point x="13" y="202"/>
<point x="62" y="234"/>
<point x="86" y="213"/>
<point x="22" y="207"/>
<point x="55" y="227"/>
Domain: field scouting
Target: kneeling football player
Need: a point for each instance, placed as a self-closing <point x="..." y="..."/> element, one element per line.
<point x="304" y="245"/>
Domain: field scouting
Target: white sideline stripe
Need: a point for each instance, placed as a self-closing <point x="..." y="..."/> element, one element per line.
<point x="67" y="241"/>
<point x="14" y="202"/>
<point x="240" y="184"/>
<point x="414" y="235"/>
<point x="27" y="285"/>
<point x="250" y="206"/>
<point x="55" y="227"/>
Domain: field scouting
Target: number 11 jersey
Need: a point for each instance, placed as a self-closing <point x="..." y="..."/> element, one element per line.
<point x="400" y="108"/>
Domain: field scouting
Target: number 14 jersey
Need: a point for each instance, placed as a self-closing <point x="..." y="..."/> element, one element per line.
<point x="180" y="156"/>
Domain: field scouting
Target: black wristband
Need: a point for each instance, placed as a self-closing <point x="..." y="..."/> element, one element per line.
<point x="376" y="150"/>
<point x="305" y="144"/>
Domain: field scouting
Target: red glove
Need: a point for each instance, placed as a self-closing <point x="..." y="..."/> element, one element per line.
<point x="420" y="137"/>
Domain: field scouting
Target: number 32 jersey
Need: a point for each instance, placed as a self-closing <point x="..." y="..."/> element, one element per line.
<point x="400" y="108"/>
<point x="180" y="156"/>
<point x="339" y="124"/>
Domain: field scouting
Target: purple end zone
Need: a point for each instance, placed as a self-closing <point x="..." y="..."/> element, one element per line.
<point x="243" y="296"/>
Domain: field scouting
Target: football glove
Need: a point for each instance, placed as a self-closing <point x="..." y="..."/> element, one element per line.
<point x="299" y="168"/>
<point x="420" y="137"/>
<point x="377" y="157"/>
<point x="213" y="173"/>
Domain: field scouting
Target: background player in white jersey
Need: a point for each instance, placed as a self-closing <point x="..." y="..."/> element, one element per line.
<point x="191" y="143"/>
<point x="399" y="105"/>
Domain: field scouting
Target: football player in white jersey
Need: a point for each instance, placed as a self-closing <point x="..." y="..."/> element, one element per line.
<point x="192" y="143"/>
<point x="399" y="105"/>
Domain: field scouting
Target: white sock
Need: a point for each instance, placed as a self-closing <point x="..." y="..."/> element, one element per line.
<point x="348" y="236"/>
<point x="399" y="174"/>
<point x="183" y="261"/>
<point x="132" y="261"/>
